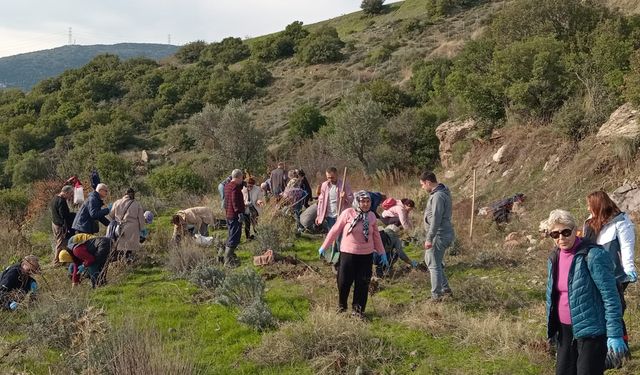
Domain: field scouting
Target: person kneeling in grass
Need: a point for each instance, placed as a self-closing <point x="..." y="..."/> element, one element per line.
<point x="16" y="282"/>
<point x="360" y="239"/>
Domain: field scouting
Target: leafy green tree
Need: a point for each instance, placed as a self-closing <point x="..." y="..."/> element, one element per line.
<point x="256" y="73"/>
<point x="533" y="75"/>
<point x="429" y="79"/>
<point x="230" y="136"/>
<point x="114" y="169"/>
<point x="372" y="7"/>
<point x="321" y="46"/>
<point x="295" y="32"/>
<point x="391" y="97"/>
<point x="190" y="52"/>
<point x="304" y="121"/>
<point x="228" y="51"/>
<point x="31" y="167"/>
<point x="356" y="128"/>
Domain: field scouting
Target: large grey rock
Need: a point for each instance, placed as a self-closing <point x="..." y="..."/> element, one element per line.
<point x="627" y="197"/>
<point x="450" y="132"/>
<point x="623" y="123"/>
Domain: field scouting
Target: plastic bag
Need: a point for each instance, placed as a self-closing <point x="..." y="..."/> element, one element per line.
<point x="203" y="240"/>
<point x="78" y="194"/>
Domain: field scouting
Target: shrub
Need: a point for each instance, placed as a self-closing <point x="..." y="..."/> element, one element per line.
<point x="206" y="277"/>
<point x="228" y="51"/>
<point x="626" y="149"/>
<point x="183" y="259"/>
<point x="321" y="46"/>
<point x="328" y="342"/>
<point x="392" y="98"/>
<point x="190" y="52"/>
<point x="570" y="119"/>
<point x="132" y="350"/>
<point x="241" y="289"/>
<point x="304" y="121"/>
<point x="172" y="179"/>
<point x="115" y="169"/>
<point x="66" y="322"/>
<point x="31" y="167"/>
<point x="372" y="6"/>
<point x="13" y="204"/>
<point x="258" y="316"/>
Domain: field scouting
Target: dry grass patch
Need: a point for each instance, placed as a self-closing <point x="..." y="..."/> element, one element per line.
<point x="332" y="343"/>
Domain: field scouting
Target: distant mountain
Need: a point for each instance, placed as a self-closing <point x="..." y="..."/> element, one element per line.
<point x="25" y="70"/>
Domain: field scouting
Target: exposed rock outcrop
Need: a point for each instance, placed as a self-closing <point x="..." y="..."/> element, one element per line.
<point x="450" y="132"/>
<point x="623" y="123"/>
<point x="627" y="197"/>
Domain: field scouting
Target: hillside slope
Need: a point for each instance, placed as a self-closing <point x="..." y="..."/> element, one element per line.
<point x="27" y="69"/>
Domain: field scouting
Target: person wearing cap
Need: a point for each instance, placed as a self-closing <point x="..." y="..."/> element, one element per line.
<point x="360" y="239"/>
<point x="94" y="253"/>
<point x="91" y="212"/>
<point x="76" y="268"/>
<point x="128" y="210"/>
<point x="17" y="281"/>
<point x="61" y="219"/>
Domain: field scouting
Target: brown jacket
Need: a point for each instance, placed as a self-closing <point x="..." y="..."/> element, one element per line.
<point x="133" y="218"/>
<point x="194" y="216"/>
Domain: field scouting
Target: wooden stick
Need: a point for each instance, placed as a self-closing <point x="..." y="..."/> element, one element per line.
<point x="344" y="181"/>
<point x="473" y="205"/>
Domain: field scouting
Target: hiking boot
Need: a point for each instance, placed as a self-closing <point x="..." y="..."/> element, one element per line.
<point x="447" y="292"/>
<point x="230" y="258"/>
<point x="220" y="256"/>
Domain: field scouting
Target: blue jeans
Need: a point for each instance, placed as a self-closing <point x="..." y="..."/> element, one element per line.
<point x="433" y="258"/>
<point x="235" y="231"/>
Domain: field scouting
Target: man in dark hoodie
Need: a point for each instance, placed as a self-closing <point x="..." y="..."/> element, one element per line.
<point x="439" y="232"/>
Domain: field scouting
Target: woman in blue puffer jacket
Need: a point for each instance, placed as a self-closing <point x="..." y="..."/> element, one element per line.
<point x="584" y="313"/>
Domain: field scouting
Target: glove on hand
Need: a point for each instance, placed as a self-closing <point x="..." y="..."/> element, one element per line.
<point x="414" y="264"/>
<point x="13" y="305"/>
<point x="110" y="206"/>
<point x="384" y="260"/>
<point x="321" y="252"/>
<point x="632" y="276"/>
<point x="33" y="287"/>
<point x="616" y="345"/>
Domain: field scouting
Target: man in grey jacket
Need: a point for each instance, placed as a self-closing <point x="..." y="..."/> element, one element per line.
<point x="439" y="232"/>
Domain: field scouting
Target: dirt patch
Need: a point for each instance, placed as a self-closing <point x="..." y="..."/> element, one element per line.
<point x="287" y="271"/>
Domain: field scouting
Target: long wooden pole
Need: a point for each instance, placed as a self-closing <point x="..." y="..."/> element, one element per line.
<point x="473" y="205"/>
<point x="344" y="181"/>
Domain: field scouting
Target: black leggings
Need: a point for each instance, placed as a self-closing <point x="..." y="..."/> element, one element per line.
<point x="582" y="356"/>
<point x="354" y="269"/>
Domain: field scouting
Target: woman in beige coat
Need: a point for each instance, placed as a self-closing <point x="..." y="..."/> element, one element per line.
<point x="196" y="219"/>
<point x="127" y="210"/>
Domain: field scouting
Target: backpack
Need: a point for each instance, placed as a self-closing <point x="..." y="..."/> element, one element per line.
<point x="388" y="203"/>
<point x="115" y="229"/>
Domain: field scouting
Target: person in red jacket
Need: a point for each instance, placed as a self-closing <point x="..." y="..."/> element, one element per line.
<point x="234" y="206"/>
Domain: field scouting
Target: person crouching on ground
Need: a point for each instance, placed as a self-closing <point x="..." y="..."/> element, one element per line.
<point x="584" y="313"/>
<point x="94" y="253"/>
<point x="194" y="219"/>
<point x="17" y="281"/>
<point x="360" y="239"/>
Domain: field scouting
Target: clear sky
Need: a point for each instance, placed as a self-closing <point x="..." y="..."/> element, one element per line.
<point x="31" y="25"/>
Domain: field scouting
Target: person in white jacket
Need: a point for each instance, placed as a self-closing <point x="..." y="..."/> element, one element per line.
<point x="253" y="202"/>
<point x="612" y="229"/>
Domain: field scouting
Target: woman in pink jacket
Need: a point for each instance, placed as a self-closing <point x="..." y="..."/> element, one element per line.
<point x="360" y="239"/>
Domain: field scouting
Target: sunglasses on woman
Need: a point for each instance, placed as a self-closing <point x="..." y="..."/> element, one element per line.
<point x="556" y="234"/>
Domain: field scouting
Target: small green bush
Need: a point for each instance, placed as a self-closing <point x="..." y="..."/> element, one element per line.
<point x="304" y="121"/>
<point x="190" y="52"/>
<point x="258" y="316"/>
<point x="115" y="169"/>
<point x="241" y="289"/>
<point x="321" y="46"/>
<point x="172" y="179"/>
<point x="13" y="203"/>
